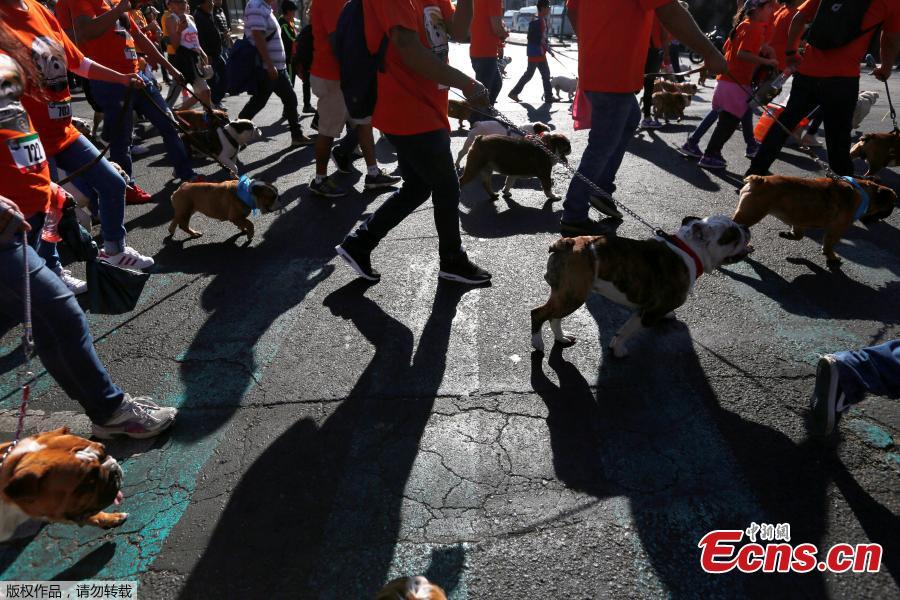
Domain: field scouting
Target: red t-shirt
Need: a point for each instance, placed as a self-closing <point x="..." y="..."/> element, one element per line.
<point x="113" y="49"/>
<point x="324" y="16"/>
<point x="409" y="104"/>
<point x="54" y="54"/>
<point x="656" y="33"/>
<point x="484" y="41"/>
<point x="614" y="37"/>
<point x="782" y="24"/>
<point x="23" y="163"/>
<point x="844" y="61"/>
<point x="749" y="37"/>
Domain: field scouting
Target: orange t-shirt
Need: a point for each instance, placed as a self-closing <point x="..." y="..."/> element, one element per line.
<point x="409" y="104"/>
<point x="23" y="163"/>
<point x="656" y="33"/>
<point x="484" y="41"/>
<point x="113" y="49"/>
<point x="844" y="61"/>
<point x="53" y="53"/>
<point x="614" y="38"/>
<point x="749" y="37"/>
<point x="780" y="34"/>
<point x="324" y="16"/>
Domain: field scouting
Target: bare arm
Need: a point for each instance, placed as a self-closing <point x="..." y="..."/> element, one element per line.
<point x="459" y="24"/>
<point x="145" y="45"/>
<point x="682" y="26"/>
<point x="798" y="25"/>
<point x="424" y="62"/>
<point x="174" y="24"/>
<point x="87" y="28"/>
<point x="890" y="48"/>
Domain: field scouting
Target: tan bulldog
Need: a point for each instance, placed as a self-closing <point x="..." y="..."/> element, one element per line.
<point x="227" y="201"/>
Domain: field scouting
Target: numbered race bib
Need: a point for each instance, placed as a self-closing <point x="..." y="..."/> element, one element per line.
<point x="28" y="153"/>
<point x="60" y="110"/>
<point x="130" y="53"/>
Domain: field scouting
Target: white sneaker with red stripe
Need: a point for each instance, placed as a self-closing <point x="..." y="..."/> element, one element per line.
<point x="128" y="259"/>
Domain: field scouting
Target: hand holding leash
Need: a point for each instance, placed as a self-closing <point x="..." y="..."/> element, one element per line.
<point x="715" y="63"/>
<point x="133" y="81"/>
<point x="476" y="94"/>
<point x="882" y="73"/>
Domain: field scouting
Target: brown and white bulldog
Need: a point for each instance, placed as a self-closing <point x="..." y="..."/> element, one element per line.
<point x="515" y="158"/>
<point x="670" y="105"/>
<point x="461" y="111"/>
<point x="814" y="203"/>
<point x="651" y="276"/>
<point x="411" y="588"/>
<point x="61" y="478"/>
<point x="880" y="150"/>
<point x="227" y="201"/>
<point x="224" y="141"/>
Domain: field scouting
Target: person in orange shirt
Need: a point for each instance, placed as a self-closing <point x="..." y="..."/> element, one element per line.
<point x="613" y="39"/>
<point x="781" y="22"/>
<point x="829" y="78"/>
<point x="659" y="39"/>
<point x="411" y="110"/>
<point x="488" y="33"/>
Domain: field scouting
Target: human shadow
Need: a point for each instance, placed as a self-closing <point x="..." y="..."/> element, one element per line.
<point x="654" y="149"/>
<point x="333" y="535"/>
<point x="814" y="294"/>
<point x="686" y="463"/>
<point x="89" y="565"/>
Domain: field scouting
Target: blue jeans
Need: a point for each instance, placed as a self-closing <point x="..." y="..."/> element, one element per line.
<point x="111" y="96"/>
<point x="46" y="250"/>
<point x="710" y="119"/>
<point x="872" y="370"/>
<point x="61" y="336"/>
<point x="487" y="72"/>
<point x="427" y="167"/>
<point x="614" y="119"/>
<point x="101" y="181"/>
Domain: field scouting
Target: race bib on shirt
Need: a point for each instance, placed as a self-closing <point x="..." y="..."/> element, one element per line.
<point x="130" y="53"/>
<point x="60" y="110"/>
<point x="438" y="38"/>
<point x="28" y="153"/>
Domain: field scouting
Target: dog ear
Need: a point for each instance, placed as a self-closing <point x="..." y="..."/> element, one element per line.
<point x="23" y="486"/>
<point x="731" y="235"/>
<point x="687" y="220"/>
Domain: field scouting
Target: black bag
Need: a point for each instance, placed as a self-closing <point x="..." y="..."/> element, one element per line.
<point x="359" y="67"/>
<point x="75" y="236"/>
<point x="244" y="66"/>
<point x="838" y="23"/>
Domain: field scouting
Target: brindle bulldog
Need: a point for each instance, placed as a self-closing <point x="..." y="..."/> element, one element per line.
<point x="880" y="150"/>
<point x="651" y="276"/>
<point x="58" y="477"/>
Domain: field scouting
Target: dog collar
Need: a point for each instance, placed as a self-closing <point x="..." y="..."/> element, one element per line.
<point x="243" y="192"/>
<point x="678" y="244"/>
<point x="863" y="198"/>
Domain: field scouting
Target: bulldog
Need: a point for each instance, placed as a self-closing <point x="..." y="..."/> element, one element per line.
<point x="224" y="141"/>
<point x="60" y="478"/>
<point x="814" y="203"/>
<point x="411" y="588"/>
<point x="496" y="128"/>
<point x="880" y="150"/>
<point x="564" y="84"/>
<point x="687" y="88"/>
<point x="460" y="111"/>
<point x="670" y="105"/>
<point x="651" y="276"/>
<point x="227" y="201"/>
<point x="516" y="157"/>
<point x="197" y="120"/>
<point x="664" y="85"/>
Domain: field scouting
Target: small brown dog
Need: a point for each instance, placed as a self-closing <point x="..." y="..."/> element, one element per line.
<point x="515" y="157"/>
<point x="196" y="120"/>
<point x="58" y="477"/>
<point x="670" y="105"/>
<point x="880" y="150"/>
<point x="459" y="110"/>
<point x="411" y="588"/>
<point x="704" y="75"/>
<point x="664" y="85"/>
<point x="686" y="88"/>
<point x="227" y="201"/>
<point x="813" y="203"/>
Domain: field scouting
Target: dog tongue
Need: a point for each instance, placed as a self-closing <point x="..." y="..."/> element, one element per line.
<point x="119" y="497"/>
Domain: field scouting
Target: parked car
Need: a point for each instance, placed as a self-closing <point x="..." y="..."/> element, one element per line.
<point x="526" y="15"/>
<point x="509" y="19"/>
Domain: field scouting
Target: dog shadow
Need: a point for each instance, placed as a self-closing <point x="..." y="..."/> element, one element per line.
<point x="542" y="113"/>
<point x="342" y="523"/>
<point x="815" y="294"/>
<point x="486" y="218"/>
<point x="636" y="436"/>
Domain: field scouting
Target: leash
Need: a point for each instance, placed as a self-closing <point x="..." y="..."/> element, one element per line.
<point x="887" y="89"/>
<point x="681" y="74"/>
<point x="506" y="122"/>
<point x="24" y="376"/>
<point x="563" y="65"/>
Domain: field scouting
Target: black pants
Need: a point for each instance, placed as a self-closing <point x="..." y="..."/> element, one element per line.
<point x="654" y="60"/>
<point x="304" y="79"/>
<point x="282" y="88"/>
<point x="529" y="73"/>
<point x="725" y="128"/>
<point x="837" y="98"/>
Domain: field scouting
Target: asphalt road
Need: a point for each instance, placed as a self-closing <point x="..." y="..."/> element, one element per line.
<point x="334" y="435"/>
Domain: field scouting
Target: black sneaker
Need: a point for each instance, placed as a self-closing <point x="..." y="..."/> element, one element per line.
<point x="315" y="121"/>
<point x="382" y="180"/>
<point x="828" y="401"/>
<point x="298" y="140"/>
<point x="308" y="110"/>
<point x="585" y="227"/>
<point x="606" y="205"/>
<point x="327" y="188"/>
<point x="358" y="259"/>
<point x="343" y="162"/>
<point x="462" y="270"/>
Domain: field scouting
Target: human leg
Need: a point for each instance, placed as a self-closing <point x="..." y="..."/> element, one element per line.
<point x="838" y="99"/>
<point x="526" y="77"/>
<point x="155" y="110"/>
<point x="800" y="103"/>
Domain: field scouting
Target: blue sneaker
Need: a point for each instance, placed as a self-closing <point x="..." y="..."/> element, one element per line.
<point x="650" y="123"/>
<point x="690" y="149"/>
<point x="752" y="149"/>
<point x="712" y="162"/>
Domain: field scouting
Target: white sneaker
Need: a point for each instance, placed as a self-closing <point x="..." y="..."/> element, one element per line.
<point x="810" y="140"/>
<point x="129" y="259"/>
<point x="138" y="150"/>
<point x="75" y="285"/>
<point x="137" y="418"/>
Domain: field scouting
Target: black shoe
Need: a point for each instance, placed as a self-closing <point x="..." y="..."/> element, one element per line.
<point x="606" y="205"/>
<point x="585" y="227"/>
<point x="308" y="110"/>
<point x="381" y="180"/>
<point x="460" y="269"/>
<point x="315" y="121"/>
<point x="343" y="162"/>
<point x="359" y="259"/>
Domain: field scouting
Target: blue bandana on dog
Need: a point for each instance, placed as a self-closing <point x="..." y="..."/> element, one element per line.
<point x="243" y="192"/>
<point x="864" y="198"/>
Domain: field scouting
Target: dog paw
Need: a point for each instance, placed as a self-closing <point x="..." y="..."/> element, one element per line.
<point x="568" y="340"/>
<point x="107" y="520"/>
